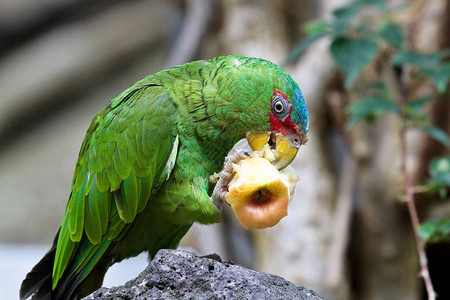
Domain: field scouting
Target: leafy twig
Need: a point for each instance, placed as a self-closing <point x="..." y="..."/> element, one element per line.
<point x="393" y="82"/>
<point x="409" y="198"/>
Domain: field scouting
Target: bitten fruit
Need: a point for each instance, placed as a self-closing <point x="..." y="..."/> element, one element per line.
<point x="259" y="193"/>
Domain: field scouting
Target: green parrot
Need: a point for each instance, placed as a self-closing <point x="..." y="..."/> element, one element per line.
<point x="142" y="175"/>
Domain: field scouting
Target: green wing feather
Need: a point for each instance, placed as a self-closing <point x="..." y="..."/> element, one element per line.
<point x="124" y="156"/>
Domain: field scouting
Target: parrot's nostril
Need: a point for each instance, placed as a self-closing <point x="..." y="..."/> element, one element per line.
<point x="272" y="141"/>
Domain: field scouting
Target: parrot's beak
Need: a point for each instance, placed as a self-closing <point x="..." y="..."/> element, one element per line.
<point x="285" y="146"/>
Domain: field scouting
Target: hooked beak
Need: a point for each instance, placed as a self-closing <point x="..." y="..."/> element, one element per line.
<point x="285" y="146"/>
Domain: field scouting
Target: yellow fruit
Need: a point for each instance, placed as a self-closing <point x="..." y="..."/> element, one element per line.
<point x="259" y="193"/>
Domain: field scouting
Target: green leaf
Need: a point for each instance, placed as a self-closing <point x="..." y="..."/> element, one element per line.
<point x="316" y="27"/>
<point x="344" y="15"/>
<point x="437" y="133"/>
<point x="368" y="109"/>
<point x="414" y="110"/>
<point x="440" y="75"/>
<point x="418" y="103"/>
<point x="301" y="48"/>
<point x="439" y="165"/>
<point x="363" y="28"/>
<point x="429" y="64"/>
<point x="342" y="18"/>
<point x="374" y="89"/>
<point x="392" y="33"/>
<point x="435" y="231"/>
<point x="380" y="4"/>
<point x="442" y="180"/>
<point x="347" y="12"/>
<point x="416" y="58"/>
<point x="353" y="55"/>
<point x="377" y="87"/>
<point x="439" y="181"/>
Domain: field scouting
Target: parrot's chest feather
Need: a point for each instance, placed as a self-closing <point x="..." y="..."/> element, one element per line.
<point x="196" y="159"/>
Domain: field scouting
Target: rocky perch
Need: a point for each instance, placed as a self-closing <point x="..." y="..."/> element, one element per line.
<point x="176" y="274"/>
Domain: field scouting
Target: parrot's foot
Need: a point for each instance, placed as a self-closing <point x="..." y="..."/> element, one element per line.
<point x="213" y="256"/>
<point x="221" y="188"/>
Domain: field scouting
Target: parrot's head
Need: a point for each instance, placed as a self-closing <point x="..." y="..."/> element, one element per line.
<point x="288" y="119"/>
<point x="272" y="107"/>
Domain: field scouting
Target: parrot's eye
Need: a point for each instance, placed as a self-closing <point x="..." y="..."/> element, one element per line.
<point x="278" y="107"/>
<point x="281" y="108"/>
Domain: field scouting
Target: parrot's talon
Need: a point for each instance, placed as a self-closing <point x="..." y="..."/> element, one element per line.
<point x="213" y="256"/>
<point x="221" y="188"/>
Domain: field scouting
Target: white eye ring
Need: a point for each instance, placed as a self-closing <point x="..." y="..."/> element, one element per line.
<point x="281" y="108"/>
<point x="278" y="106"/>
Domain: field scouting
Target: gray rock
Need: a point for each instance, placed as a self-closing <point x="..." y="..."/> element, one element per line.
<point x="176" y="274"/>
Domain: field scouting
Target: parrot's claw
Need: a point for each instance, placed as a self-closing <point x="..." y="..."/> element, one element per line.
<point x="221" y="188"/>
<point x="213" y="256"/>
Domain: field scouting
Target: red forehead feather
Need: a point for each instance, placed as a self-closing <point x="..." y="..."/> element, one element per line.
<point x="277" y="125"/>
<point x="278" y="93"/>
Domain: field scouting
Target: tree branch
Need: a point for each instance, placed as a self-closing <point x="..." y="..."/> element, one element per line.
<point x="341" y="223"/>
<point x="395" y="85"/>
<point x="198" y="15"/>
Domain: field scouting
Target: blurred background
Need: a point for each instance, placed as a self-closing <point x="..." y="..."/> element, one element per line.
<point x="348" y="234"/>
